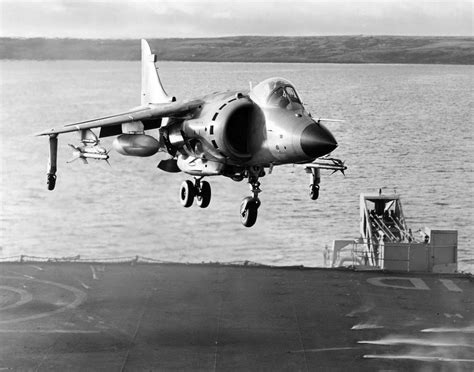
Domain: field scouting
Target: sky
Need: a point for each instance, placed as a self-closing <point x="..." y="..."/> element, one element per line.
<point x="203" y="18"/>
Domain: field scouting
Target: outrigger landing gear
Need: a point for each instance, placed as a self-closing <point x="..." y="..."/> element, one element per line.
<point x="250" y="204"/>
<point x="200" y="190"/>
<point x="315" y="180"/>
<point x="52" y="163"/>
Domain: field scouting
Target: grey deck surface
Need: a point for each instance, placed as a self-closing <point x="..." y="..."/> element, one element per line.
<point x="202" y="317"/>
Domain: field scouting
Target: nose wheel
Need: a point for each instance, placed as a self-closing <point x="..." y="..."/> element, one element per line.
<point x="314" y="192"/>
<point x="250" y="204"/>
<point x="249" y="211"/>
<point x="200" y="190"/>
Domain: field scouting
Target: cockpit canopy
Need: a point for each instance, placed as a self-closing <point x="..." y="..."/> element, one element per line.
<point x="276" y="92"/>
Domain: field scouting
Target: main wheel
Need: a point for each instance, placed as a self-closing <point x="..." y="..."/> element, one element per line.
<point x="249" y="211"/>
<point x="203" y="197"/>
<point x="314" y="193"/>
<point x="186" y="194"/>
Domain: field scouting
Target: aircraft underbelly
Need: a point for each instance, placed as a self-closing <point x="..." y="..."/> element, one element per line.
<point x="200" y="167"/>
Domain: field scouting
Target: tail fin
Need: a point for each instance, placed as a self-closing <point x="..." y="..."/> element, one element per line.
<point x="152" y="90"/>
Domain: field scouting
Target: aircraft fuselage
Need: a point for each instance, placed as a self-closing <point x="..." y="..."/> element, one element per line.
<point x="230" y="128"/>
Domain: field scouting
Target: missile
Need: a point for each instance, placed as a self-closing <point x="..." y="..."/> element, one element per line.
<point x="89" y="152"/>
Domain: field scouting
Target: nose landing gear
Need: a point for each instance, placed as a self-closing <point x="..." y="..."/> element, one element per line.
<point x="250" y="204"/>
<point x="200" y="190"/>
<point x="249" y="211"/>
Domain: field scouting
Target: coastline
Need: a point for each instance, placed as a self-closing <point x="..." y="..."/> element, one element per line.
<point x="316" y="49"/>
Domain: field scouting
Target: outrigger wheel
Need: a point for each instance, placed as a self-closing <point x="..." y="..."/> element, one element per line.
<point x="314" y="192"/>
<point x="201" y="190"/>
<point x="51" y="181"/>
<point x="315" y="180"/>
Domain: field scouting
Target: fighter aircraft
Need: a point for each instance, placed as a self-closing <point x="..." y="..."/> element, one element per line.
<point x="236" y="134"/>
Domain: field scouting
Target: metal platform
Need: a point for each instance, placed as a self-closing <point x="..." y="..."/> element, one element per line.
<point x="114" y="317"/>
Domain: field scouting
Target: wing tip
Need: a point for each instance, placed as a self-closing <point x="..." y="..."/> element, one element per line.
<point x="45" y="133"/>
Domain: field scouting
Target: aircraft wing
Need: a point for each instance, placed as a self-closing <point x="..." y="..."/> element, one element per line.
<point x="142" y="113"/>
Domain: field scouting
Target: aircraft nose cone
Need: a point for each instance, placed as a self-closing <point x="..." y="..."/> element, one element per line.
<point x="317" y="140"/>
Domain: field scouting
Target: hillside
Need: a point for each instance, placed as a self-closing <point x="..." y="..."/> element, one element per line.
<point x="333" y="49"/>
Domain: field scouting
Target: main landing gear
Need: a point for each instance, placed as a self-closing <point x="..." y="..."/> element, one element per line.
<point x="250" y="204"/>
<point x="200" y="190"/>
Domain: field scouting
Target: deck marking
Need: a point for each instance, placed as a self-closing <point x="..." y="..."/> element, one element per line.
<point x="84" y="285"/>
<point x="363" y="309"/>
<point x="94" y="275"/>
<point x="324" y="349"/>
<point x="418" y="357"/>
<point x="218" y="328"/>
<point x="469" y="329"/>
<point x="47" y="331"/>
<point x="25" y="297"/>
<point x="36" y="267"/>
<point x="449" y="316"/>
<point x="416" y="283"/>
<point x="413" y="341"/>
<point x="450" y="285"/>
<point x="295" y="315"/>
<point x="132" y="341"/>
<point x="366" y="326"/>
<point x="79" y="297"/>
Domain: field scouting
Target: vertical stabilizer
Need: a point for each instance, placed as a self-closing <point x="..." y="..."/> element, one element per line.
<point x="152" y="90"/>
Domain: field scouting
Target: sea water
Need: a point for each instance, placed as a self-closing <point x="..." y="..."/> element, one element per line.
<point x="407" y="127"/>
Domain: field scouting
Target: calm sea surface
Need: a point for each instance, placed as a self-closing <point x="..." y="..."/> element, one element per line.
<point x="408" y="127"/>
